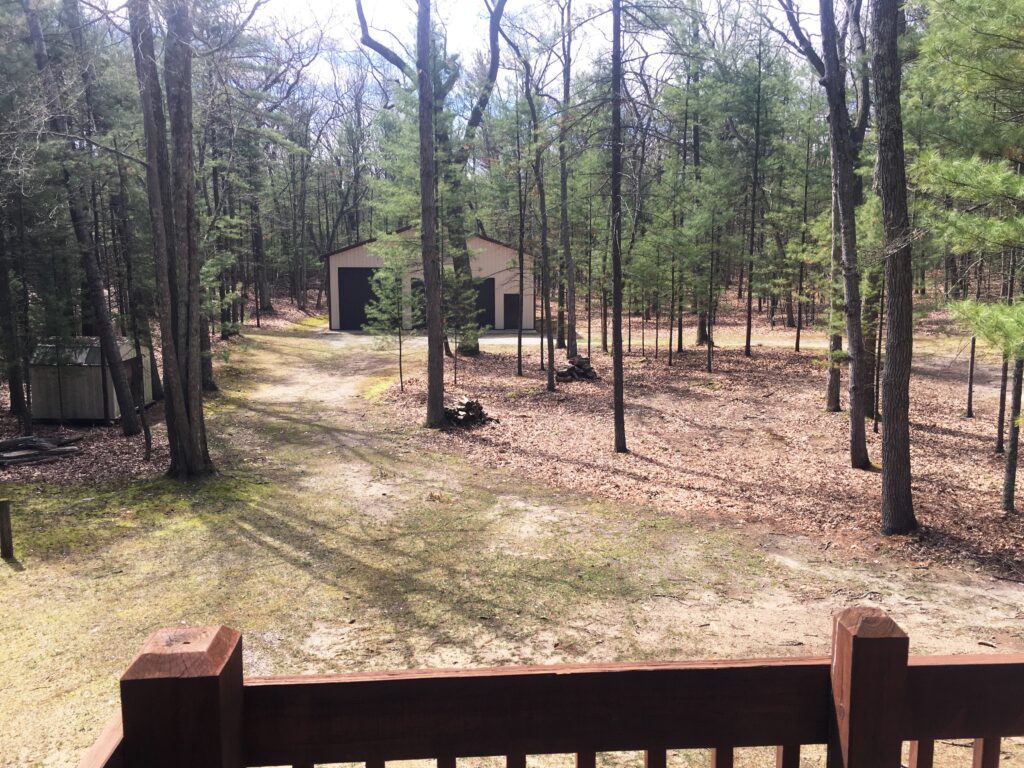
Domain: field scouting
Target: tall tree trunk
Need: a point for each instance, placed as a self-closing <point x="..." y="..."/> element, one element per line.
<point x="974" y="345"/>
<point x="178" y="51"/>
<point x="1012" y="450"/>
<point x="618" y="398"/>
<point x="835" y="340"/>
<point x="263" y="298"/>
<point x="871" y="308"/>
<point x="173" y="241"/>
<point x="545" y="248"/>
<point x="803" y="240"/>
<point x="521" y="241"/>
<point x="10" y="335"/>
<point x="891" y="181"/>
<point x="844" y="181"/>
<point x="568" y="266"/>
<point x="1001" y="422"/>
<point x="136" y="312"/>
<point x="428" y="221"/>
<point x="755" y="180"/>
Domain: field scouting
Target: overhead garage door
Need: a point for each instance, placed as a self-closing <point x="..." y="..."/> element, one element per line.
<point x="354" y="293"/>
<point x="485" y="302"/>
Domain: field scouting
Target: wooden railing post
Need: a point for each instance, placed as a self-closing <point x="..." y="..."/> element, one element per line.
<point x="181" y="700"/>
<point x="869" y="682"/>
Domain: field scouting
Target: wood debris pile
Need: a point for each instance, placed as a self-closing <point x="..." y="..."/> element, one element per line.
<point x="466" y="413"/>
<point x="579" y="369"/>
<point x="36" y="450"/>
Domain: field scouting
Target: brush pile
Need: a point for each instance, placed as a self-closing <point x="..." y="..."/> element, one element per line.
<point x="578" y="369"/>
<point x="466" y="413"/>
<point x="36" y="450"/>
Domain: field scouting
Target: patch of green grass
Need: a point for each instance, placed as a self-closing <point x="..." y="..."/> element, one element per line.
<point x="52" y="521"/>
<point x="313" y="321"/>
<point x="373" y="389"/>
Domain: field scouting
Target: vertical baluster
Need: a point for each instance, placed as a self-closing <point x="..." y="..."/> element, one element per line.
<point x="446" y="762"/>
<point x="586" y="760"/>
<point x="721" y="757"/>
<point x="655" y="758"/>
<point x="922" y="754"/>
<point x="787" y="756"/>
<point x="515" y="761"/>
<point x="374" y="764"/>
<point x="986" y="752"/>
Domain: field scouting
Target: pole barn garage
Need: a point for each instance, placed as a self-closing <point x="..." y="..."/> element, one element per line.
<point x="495" y="269"/>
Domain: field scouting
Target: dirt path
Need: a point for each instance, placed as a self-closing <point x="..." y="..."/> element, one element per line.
<point x="334" y="545"/>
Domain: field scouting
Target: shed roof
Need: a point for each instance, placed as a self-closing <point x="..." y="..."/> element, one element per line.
<point x="80" y="350"/>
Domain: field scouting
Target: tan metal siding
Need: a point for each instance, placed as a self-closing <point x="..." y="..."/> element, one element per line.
<point x="488" y="259"/>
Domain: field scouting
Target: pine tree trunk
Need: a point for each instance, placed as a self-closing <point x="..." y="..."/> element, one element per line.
<point x="845" y="193"/>
<point x="428" y="221"/>
<point x="891" y="182"/>
<point x="568" y="265"/>
<point x="10" y="334"/>
<point x="755" y="180"/>
<point x="1001" y="422"/>
<point x="1012" y="449"/>
<point x="870" y="311"/>
<point x="542" y="209"/>
<point x="176" y="263"/>
<point x="618" y="397"/>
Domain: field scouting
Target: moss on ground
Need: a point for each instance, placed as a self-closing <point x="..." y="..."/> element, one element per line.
<point x="60" y="521"/>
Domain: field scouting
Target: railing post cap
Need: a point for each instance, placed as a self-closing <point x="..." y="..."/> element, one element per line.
<point x="867" y="622"/>
<point x="184" y="652"/>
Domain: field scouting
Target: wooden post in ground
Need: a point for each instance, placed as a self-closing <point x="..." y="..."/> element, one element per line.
<point x="869" y="682"/>
<point x="181" y="700"/>
<point x="6" y="539"/>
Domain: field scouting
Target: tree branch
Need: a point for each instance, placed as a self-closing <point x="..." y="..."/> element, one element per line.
<point x="477" y="115"/>
<point x="792" y="16"/>
<point x="388" y="54"/>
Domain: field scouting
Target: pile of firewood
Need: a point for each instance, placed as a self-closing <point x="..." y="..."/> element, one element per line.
<point x="36" y="450"/>
<point x="579" y="368"/>
<point x="466" y="413"/>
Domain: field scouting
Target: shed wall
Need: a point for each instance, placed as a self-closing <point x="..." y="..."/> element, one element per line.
<point x="81" y="389"/>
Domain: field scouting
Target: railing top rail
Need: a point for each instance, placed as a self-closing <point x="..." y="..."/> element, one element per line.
<point x="539" y="669"/>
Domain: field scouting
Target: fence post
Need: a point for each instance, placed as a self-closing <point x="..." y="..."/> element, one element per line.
<point x="181" y="700"/>
<point x="869" y="682"/>
<point x="6" y="539"/>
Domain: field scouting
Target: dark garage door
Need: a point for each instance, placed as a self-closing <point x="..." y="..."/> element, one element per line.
<point x="485" y="302"/>
<point x="511" y="311"/>
<point x="354" y="293"/>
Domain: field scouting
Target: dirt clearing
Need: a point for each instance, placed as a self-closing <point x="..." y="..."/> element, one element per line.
<point x="337" y="541"/>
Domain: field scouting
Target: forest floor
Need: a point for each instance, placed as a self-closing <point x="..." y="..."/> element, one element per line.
<point x="751" y="442"/>
<point x="338" y="537"/>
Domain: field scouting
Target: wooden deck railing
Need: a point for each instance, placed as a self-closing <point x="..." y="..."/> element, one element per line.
<point x="184" y="703"/>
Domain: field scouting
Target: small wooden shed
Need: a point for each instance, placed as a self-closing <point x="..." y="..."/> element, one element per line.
<point x="495" y="269"/>
<point x="70" y="381"/>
